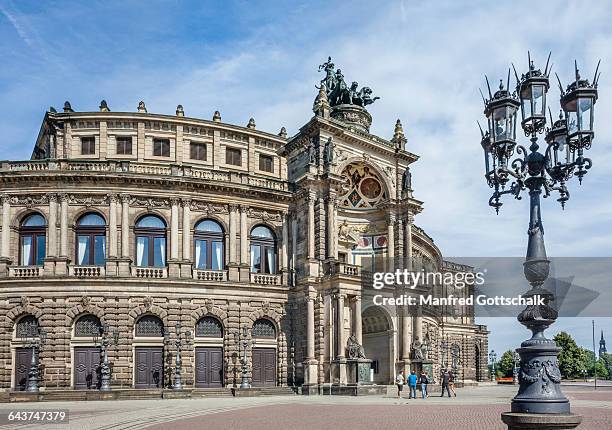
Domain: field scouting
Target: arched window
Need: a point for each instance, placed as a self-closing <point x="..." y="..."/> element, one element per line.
<point x="87" y="326"/>
<point x="209" y="327"/>
<point x="150" y="234"/>
<point x="27" y="327"/>
<point x="32" y="240"/>
<point x="149" y="326"/>
<point x="91" y="240"/>
<point x="264" y="329"/>
<point x="263" y="250"/>
<point x="208" y="239"/>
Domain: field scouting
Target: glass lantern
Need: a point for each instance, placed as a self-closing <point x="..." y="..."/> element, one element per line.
<point x="556" y="138"/>
<point x="578" y="103"/>
<point x="532" y="92"/>
<point x="501" y="113"/>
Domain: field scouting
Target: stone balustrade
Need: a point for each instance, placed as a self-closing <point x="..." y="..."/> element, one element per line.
<point x="25" y="271"/>
<point x="150" y="272"/>
<point x="210" y="275"/>
<point x="86" y="271"/>
<point x="265" y="279"/>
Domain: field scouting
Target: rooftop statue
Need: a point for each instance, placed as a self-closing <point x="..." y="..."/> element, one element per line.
<point x="338" y="92"/>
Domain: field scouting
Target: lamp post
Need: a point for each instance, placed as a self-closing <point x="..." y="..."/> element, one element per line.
<point x="493" y="360"/>
<point x="104" y="341"/>
<point x="511" y="169"/>
<point x="443" y="353"/>
<point x="37" y="338"/>
<point x="241" y="338"/>
<point x="178" y="364"/>
<point x="517" y="359"/>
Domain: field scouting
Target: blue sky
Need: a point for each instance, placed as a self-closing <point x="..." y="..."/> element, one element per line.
<point x="425" y="60"/>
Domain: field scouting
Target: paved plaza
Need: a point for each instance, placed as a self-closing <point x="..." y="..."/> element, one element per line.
<point x="473" y="408"/>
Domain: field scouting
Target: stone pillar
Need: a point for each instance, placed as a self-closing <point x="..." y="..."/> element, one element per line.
<point x="232" y="233"/>
<point x="284" y="266"/>
<point x="310" y="362"/>
<point x="186" y="263"/>
<point x="125" y="226"/>
<point x="418" y="324"/>
<point x="245" y="267"/>
<point x="391" y="236"/>
<point x="52" y="230"/>
<point x="173" y="261"/>
<point x="406" y="319"/>
<point x="332" y="249"/>
<point x="408" y="241"/>
<point x="123" y="268"/>
<point x="357" y="319"/>
<point x="6" y="226"/>
<point x="340" y="327"/>
<point x="311" y="224"/>
<point x="112" y="226"/>
<point x="5" y="259"/>
<point x="186" y="203"/>
<point x="294" y="239"/>
<point x="63" y="226"/>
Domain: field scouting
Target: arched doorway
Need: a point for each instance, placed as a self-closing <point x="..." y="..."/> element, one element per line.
<point x="377" y="343"/>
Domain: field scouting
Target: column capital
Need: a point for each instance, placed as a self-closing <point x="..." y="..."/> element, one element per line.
<point x="5" y="198"/>
<point x="244" y="209"/>
<point x="233" y="207"/>
<point x="52" y="197"/>
<point x="409" y="218"/>
<point x="331" y="196"/>
<point x="125" y="198"/>
<point x="311" y="197"/>
<point x="113" y="198"/>
<point x="175" y="201"/>
<point x="391" y="217"/>
<point x="186" y="202"/>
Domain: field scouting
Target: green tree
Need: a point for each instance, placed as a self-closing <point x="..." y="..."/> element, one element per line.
<point x="506" y="364"/>
<point x="572" y="358"/>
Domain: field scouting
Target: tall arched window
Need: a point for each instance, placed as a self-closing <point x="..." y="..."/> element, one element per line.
<point x="32" y="240"/>
<point x="150" y="234"/>
<point x="263" y="250"/>
<point x="91" y="240"/>
<point x="208" y="244"/>
<point x="87" y="326"/>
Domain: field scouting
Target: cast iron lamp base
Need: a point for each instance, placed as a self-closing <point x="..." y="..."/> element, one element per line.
<point x="520" y="421"/>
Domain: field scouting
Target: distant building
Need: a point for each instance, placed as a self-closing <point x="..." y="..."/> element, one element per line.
<point x="602" y="345"/>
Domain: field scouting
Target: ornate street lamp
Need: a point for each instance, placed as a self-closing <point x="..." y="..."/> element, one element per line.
<point x="37" y="337"/>
<point x="517" y="359"/>
<point x="493" y="360"/>
<point x="105" y="341"/>
<point x="538" y="172"/>
<point x="241" y="338"/>
<point x="443" y="353"/>
<point x="179" y="342"/>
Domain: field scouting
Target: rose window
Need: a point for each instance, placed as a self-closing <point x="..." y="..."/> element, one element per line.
<point x="364" y="189"/>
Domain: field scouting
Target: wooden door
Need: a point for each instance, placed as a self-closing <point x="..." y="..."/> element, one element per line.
<point x="264" y="367"/>
<point x="209" y="367"/>
<point x="86" y="367"/>
<point x="23" y="362"/>
<point x="149" y="367"/>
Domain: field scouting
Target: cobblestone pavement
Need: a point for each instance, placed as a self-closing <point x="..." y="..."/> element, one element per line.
<point x="474" y="408"/>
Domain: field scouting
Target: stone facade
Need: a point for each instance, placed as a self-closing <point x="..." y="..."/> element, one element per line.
<point x="298" y="187"/>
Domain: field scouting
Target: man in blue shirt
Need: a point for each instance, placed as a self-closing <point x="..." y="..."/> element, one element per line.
<point x="412" y="383"/>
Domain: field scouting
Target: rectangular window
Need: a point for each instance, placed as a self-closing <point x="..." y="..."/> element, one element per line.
<point x="266" y="163"/>
<point x="200" y="254"/>
<point x="124" y="145"/>
<point x="161" y="147"/>
<point x="217" y="256"/>
<point x="197" y="151"/>
<point x="27" y="253"/>
<point x="84" y="243"/>
<point x="142" y="251"/>
<point x="88" y="145"/>
<point x="233" y="156"/>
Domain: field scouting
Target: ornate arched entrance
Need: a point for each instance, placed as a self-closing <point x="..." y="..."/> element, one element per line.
<point x="378" y="343"/>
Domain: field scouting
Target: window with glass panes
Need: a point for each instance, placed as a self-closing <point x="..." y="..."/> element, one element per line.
<point x="197" y="151"/>
<point x="263" y="250"/>
<point x="124" y="145"/>
<point x="91" y="240"/>
<point x="150" y="232"/>
<point x="88" y="145"/>
<point x="32" y="240"/>
<point x="233" y="156"/>
<point x="208" y="242"/>
<point x="161" y="147"/>
<point x="266" y="163"/>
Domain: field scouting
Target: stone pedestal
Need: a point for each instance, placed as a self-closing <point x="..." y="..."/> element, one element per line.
<point x="339" y="375"/>
<point x="111" y="267"/>
<point x="245" y="274"/>
<point x="233" y="272"/>
<point x="311" y="372"/>
<point x="123" y="267"/>
<point x="186" y="269"/>
<point x="520" y="421"/>
<point x="419" y="366"/>
<point x="174" y="269"/>
<point x="358" y="371"/>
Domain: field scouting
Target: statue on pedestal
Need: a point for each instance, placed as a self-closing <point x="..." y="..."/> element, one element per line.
<point x="417" y="351"/>
<point x="354" y="348"/>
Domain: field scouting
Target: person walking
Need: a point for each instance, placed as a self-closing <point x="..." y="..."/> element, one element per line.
<point x="451" y="382"/>
<point x="444" y="381"/>
<point x="424" y="381"/>
<point x="399" y="381"/>
<point x="412" y="383"/>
